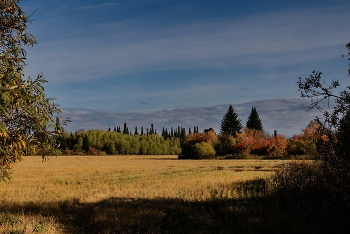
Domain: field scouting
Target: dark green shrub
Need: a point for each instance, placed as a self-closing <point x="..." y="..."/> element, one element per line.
<point x="203" y="150"/>
<point x="225" y="145"/>
<point x="296" y="179"/>
<point x="187" y="146"/>
<point x="236" y="156"/>
<point x="315" y="186"/>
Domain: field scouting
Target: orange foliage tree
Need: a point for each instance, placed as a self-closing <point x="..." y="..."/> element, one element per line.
<point x="305" y="143"/>
<point x="251" y="141"/>
<point x="277" y="146"/>
<point x="209" y="137"/>
<point x="256" y="142"/>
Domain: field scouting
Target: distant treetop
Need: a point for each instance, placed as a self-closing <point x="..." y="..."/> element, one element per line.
<point x="254" y="121"/>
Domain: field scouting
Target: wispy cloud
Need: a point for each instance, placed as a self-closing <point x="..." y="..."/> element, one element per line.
<point x="111" y="63"/>
<point x="284" y="115"/>
<point x="140" y="45"/>
<point x="90" y="7"/>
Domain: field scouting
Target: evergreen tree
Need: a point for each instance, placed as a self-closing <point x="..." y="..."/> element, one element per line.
<point x="136" y="132"/>
<point x="151" y="130"/>
<point x="125" y="130"/>
<point x="142" y="133"/>
<point x="183" y="133"/>
<point x="195" y="129"/>
<point x="86" y="143"/>
<point x="176" y="133"/>
<point x="166" y="134"/>
<point x="230" y="124"/>
<point x="254" y="121"/>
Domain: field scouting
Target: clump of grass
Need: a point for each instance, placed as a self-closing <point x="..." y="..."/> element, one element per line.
<point x="22" y="223"/>
<point x="236" y="156"/>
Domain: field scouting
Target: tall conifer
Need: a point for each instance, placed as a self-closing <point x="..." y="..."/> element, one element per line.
<point x="166" y="135"/>
<point x="254" y="121"/>
<point x="125" y="130"/>
<point x="151" y="130"/>
<point x="230" y="124"/>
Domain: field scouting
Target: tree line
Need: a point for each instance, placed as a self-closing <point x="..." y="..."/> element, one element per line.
<point x="179" y="132"/>
<point x="99" y="142"/>
<point x="233" y="141"/>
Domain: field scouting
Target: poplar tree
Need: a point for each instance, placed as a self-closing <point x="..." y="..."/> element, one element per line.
<point x="26" y="114"/>
<point x="254" y="121"/>
<point x="230" y="124"/>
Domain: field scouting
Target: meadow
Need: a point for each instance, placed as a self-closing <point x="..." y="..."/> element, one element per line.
<point x="134" y="194"/>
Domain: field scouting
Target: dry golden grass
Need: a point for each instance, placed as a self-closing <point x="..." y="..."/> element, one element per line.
<point x="90" y="179"/>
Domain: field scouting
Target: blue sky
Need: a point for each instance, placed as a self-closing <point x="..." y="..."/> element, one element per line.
<point x="145" y="57"/>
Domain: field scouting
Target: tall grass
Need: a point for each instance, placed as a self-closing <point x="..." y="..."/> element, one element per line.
<point x="159" y="194"/>
<point x="99" y="194"/>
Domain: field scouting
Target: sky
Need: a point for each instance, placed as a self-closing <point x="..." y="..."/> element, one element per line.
<point x="181" y="63"/>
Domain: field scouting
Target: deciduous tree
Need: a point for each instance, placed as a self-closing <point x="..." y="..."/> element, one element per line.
<point x="333" y="136"/>
<point x="26" y="114"/>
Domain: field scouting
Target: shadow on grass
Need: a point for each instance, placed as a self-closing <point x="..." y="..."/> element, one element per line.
<point x="123" y="215"/>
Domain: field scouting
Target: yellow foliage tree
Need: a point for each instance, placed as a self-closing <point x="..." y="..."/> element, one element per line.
<point x="26" y="115"/>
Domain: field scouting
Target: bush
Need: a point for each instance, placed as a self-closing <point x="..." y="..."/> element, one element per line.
<point x="225" y="145"/>
<point x="305" y="143"/>
<point x="296" y="179"/>
<point x="187" y="147"/>
<point x="236" y="156"/>
<point x="277" y="146"/>
<point x="311" y="186"/>
<point x="256" y="142"/>
<point x="310" y="193"/>
<point x="203" y="150"/>
<point x="251" y="141"/>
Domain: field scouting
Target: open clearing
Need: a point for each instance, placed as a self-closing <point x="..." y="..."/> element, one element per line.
<point x="129" y="194"/>
<point x="92" y="178"/>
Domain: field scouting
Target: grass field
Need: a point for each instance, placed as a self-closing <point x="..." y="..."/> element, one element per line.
<point x="127" y="194"/>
